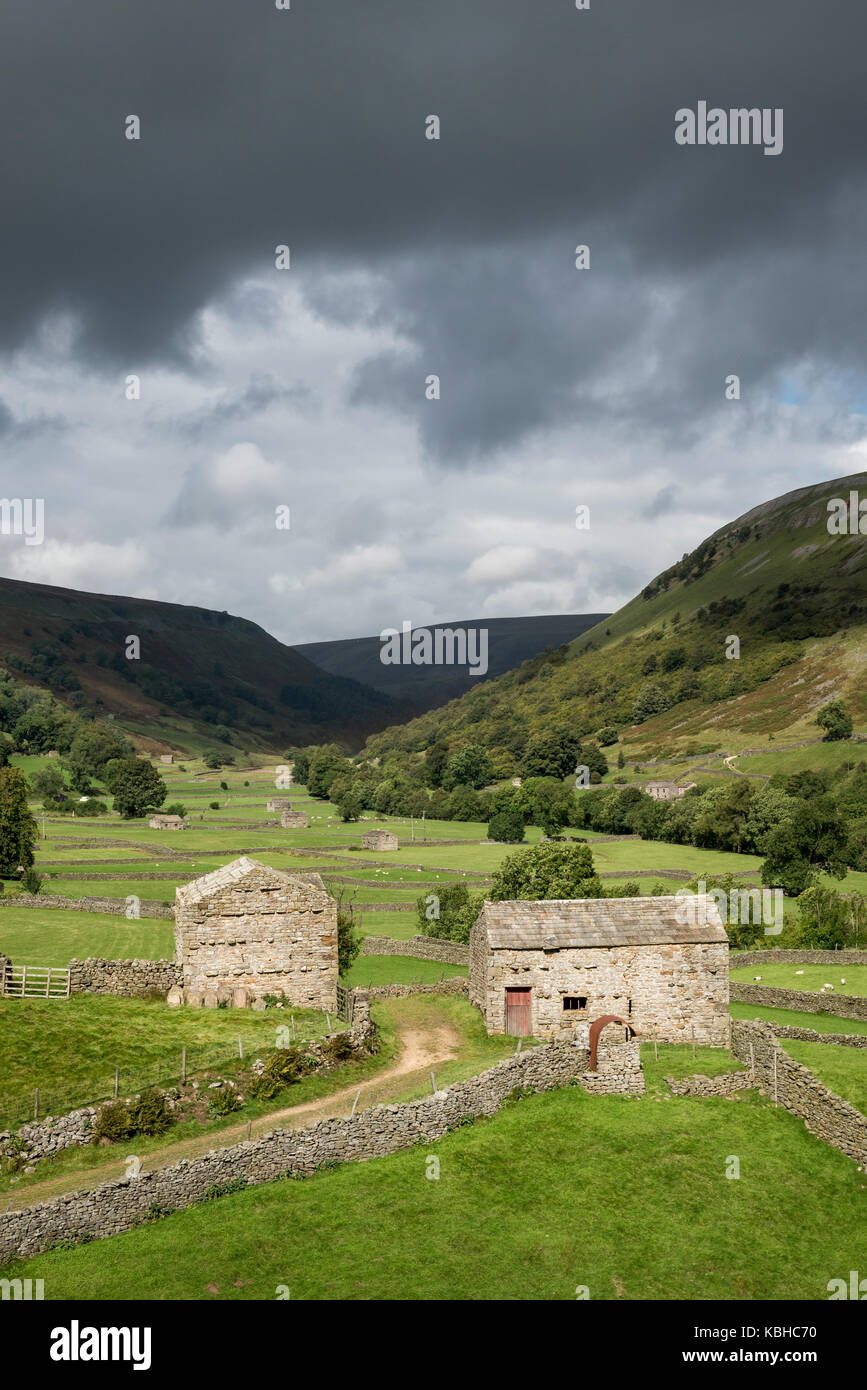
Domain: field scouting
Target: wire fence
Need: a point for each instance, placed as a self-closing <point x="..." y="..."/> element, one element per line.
<point x="173" y="1068"/>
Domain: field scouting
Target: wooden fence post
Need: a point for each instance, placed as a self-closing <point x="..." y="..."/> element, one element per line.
<point x="183" y="1065"/>
<point x="433" y="1082"/>
<point x="116" y="1081"/>
<point x="240" y="1047"/>
<point x="655" y="1051"/>
<point x="36" y="1104"/>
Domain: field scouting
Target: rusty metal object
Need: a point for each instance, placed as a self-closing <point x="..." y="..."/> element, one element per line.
<point x="596" y="1028"/>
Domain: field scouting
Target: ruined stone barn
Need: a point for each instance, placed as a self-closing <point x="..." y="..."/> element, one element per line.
<point x="167" y="823"/>
<point x="279" y="803"/>
<point x="293" y="820"/>
<point x="247" y="926"/>
<point x="543" y="968"/>
<point x="379" y="840"/>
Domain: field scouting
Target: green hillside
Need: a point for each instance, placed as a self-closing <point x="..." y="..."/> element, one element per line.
<point x="201" y="676"/>
<point x="657" y="671"/>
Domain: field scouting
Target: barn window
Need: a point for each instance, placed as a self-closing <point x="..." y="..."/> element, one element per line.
<point x="574" y="1001"/>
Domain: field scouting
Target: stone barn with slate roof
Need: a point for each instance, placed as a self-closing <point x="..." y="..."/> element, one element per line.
<point x="661" y="964"/>
<point x="249" y="927"/>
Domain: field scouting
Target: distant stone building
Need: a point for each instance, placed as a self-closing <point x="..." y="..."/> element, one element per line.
<point x="167" y="823"/>
<point x="665" y="791"/>
<point x="250" y="928"/>
<point x="279" y="803"/>
<point x="294" y="820"/>
<point x="379" y="840"/>
<point x="53" y="753"/>
<point x="516" y="781"/>
<point x="542" y="968"/>
<point x="167" y="757"/>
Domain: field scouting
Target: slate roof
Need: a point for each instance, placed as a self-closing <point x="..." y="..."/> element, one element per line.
<point x="564" y="922"/>
<point x="229" y="874"/>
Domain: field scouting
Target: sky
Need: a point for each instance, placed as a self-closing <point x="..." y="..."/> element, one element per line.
<point x="304" y="388"/>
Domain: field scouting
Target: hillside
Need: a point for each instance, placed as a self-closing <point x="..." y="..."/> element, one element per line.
<point x="201" y="674"/>
<point x="794" y="595"/>
<point x="511" y="641"/>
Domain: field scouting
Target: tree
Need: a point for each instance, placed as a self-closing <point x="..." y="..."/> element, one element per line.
<point x="607" y="735"/>
<point x="300" y="766"/>
<point x="547" y="871"/>
<point x="826" y="918"/>
<point x="136" y="786"/>
<point x="348" y="941"/>
<point x="49" y="786"/>
<point x="349" y="805"/>
<point x="507" y="827"/>
<point x="836" y="720"/>
<point x="814" y="840"/>
<point x="435" y="760"/>
<point x="469" y="766"/>
<point x="90" y="753"/>
<point x="550" y="804"/>
<point x="18" y="830"/>
<point x="450" y="912"/>
<point x="550" y="754"/>
<point x="326" y="764"/>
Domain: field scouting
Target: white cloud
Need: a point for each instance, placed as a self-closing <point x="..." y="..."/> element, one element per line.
<point x="503" y="562"/>
<point x="91" y="565"/>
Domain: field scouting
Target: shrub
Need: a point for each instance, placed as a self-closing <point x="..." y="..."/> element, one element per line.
<point x="175" y="809"/>
<point x="31" y="881"/>
<point x="225" y="1101"/>
<point x="506" y="827"/>
<point x="147" y="1114"/>
<point x="339" y="1048"/>
<point x="282" y="1068"/>
<point x="214" y="805"/>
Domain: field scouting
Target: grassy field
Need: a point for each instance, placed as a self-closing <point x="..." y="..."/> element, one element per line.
<point x="70" y="1049"/>
<point x="794" y="1018"/>
<point x="624" y="1195"/>
<point x="843" y="1069"/>
<point x="399" y="970"/>
<point x="846" y="979"/>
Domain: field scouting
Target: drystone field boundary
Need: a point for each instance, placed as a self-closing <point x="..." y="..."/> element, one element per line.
<point x="123" y="1204"/>
<point x="802" y="1000"/>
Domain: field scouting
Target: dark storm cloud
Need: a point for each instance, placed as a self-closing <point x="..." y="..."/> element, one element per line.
<point x="306" y="126"/>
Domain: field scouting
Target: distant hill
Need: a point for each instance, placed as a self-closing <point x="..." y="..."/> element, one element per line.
<point x="793" y="594"/>
<point x="511" y="641"/>
<point x="202" y="676"/>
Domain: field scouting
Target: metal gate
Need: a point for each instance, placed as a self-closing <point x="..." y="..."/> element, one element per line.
<point x="519" y="1012"/>
<point x="37" y="982"/>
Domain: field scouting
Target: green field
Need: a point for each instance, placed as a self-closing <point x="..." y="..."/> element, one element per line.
<point x="626" y="1196"/>
<point x="843" y="1069"/>
<point x="846" y="979"/>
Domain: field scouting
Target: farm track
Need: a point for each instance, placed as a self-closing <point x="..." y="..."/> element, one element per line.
<point x="422" y="1049"/>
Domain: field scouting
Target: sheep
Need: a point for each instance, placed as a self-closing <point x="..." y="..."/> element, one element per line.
<point x="799" y="972"/>
<point x="827" y="986"/>
<point x="757" y="977"/>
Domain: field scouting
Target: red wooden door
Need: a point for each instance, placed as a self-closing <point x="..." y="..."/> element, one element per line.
<point x="518" y="1012"/>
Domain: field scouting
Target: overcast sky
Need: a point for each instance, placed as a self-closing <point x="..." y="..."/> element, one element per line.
<point x="411" y="257"/>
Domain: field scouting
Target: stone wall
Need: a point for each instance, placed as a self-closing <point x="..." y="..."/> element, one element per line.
<point x="131" y="979"/>
<point x="250" y="927"/>
<point x="774" y="956"/>
<point x="668" y="992"/>
<point x="116" y="907"/>
<point x="804" y="1000"/>
<point x="794" y="1086"/>
<point x="781" y="1030"/>
<point x="456" y="985"/>
<point x="421" y="947"/>
<point x="127" y="1202"/>
<point x="700" y="1085"/>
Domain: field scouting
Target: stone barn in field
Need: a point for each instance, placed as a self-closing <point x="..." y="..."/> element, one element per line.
<point x="167" y="757"/>
<point x="293" y="820"/>
<point x="543" y="968"/>
<point x="379" y="839"/>
<point x="279" y="803"/>
<point x="167" y="823"/>
<point x="253" y="928"/>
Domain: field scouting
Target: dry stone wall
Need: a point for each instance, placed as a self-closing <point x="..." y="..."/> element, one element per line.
<point x="780" y="1030"/>
<point x="421" y="947"/>
<point x="700" y="1085"/>
<point x="457" y="984"/>
<point x="131" y="979"/>
<point x="803" y="1000"/>
<point x="120" y="1205"/>
<point x="114" y="906"/>
<point x="775" y="956"/>
<point x="794" y="1086"/>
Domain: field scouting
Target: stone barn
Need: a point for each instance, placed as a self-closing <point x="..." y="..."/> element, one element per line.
<point x="167" y="757"/>
<point x="379" y="839"/>
<point x="249" y="927"/>
<point x="279" y="803"/>
<point x="543" y="968"/>
<point x="293" y="820"/>
<point x="167" y="823"/>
